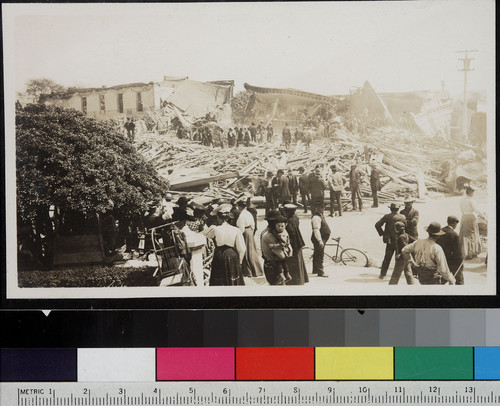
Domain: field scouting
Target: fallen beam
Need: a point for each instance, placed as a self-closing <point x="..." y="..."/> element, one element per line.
<point x="203" y="181"/>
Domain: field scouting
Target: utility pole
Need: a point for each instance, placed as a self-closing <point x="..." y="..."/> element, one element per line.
<point x="466" y="69"/>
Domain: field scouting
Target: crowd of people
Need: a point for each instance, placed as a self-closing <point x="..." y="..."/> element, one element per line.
<point x="245" y="136"/>
<point x="231" y="253"/>
<point x="437" y="259"/>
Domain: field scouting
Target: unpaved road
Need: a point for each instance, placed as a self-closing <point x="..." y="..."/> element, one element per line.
<point x="357" y="230"/>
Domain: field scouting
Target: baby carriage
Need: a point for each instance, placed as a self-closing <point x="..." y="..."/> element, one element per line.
<point x="172" y="254"/>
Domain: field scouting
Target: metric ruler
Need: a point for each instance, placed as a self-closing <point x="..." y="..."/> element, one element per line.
<point x="288" y="393"/>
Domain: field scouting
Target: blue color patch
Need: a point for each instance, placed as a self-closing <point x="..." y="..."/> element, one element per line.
<point x="487" y="363"/>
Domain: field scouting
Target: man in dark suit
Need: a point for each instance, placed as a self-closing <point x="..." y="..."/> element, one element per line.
<point x="375" y="183"/>
<point x="450" y="242"/>
<point x="389" y="235"/>
<point x="304" y="188"/>
<point x="411" y="218"/>
<point x="253" y="132"/>
<point x="293" y="185"/>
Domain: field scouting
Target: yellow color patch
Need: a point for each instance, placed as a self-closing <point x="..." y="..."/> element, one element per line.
<point x="358" y="363"/>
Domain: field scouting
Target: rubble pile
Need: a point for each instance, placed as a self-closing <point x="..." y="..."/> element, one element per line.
<point x="410" y="163"/>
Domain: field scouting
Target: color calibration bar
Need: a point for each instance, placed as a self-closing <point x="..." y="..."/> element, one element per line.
<point x="250" y="364"/>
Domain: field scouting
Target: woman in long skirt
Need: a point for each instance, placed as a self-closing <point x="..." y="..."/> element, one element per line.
<point x="229" y="251"/>
<point x="295" y="263"/>
<point x="246" y="223"/>
<point x="469" y="230"/>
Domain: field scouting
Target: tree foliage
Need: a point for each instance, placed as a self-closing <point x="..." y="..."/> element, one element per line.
<point x="77" y="163"/>
<point x="242" y="106"/>
<point x="37" y="87"/>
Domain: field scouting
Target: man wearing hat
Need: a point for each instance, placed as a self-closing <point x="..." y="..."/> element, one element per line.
<point x="428" y="259"/>
<point x="253" y="132"/>
<point x="293" y="185"/>
<point x="389" y="235"/>
<point x="287" y="136"/>
<point x="317" y="187"/>
<point x="401" y="264"/>
<point x="276" y="184"/>
<point x="450" y="243"/>
<point x="411" y="218"/>
<point x="182" y="202"/>
<point x="336" y="184"/>
<point x="375" y="183"/>
<point x="355" y="181"/>
<point x="320" y="235"/>
<point x="304" y="188"/>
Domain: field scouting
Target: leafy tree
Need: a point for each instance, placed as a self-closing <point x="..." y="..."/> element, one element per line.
<point x="78" y="164"/>
<point x="38" y="87"/>
<point x="242" y="106"/>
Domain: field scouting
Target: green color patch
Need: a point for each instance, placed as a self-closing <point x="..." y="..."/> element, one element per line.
<point x="433" y="363"/>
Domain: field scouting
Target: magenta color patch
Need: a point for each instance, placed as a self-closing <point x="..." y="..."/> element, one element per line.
<point x="195" y="364"/>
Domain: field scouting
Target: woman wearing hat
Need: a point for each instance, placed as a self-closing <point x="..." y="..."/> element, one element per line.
<point x="469" y="230"/>
<point x="273" y="249"/>
<point x="229" y="251"/>
<point x="295" y="263"/>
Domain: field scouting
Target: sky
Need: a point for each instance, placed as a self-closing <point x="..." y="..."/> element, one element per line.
<point x="327" y="48"/>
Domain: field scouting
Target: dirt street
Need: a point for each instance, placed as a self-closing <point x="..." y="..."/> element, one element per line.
<point x="357" y="230"/>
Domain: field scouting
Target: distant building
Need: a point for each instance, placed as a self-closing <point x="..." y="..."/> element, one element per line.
<point x="132" y="100"/>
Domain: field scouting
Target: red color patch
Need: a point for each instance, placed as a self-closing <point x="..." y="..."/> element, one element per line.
<point x="272" y="364"/>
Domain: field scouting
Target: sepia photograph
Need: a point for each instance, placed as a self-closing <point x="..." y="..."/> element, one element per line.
<point x="255" y="149"/>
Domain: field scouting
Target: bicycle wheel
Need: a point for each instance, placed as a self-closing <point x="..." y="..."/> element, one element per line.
<point x="353" y="256"/>
<point x="332" y="253"/>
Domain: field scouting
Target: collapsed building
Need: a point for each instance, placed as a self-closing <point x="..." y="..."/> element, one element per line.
<point x="292" y="106"/>
<point x="133" y="100"/>
<point x="363" y="119"/>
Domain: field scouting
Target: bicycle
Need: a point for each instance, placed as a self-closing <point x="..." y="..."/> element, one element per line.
<point x="347" y="256"/>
